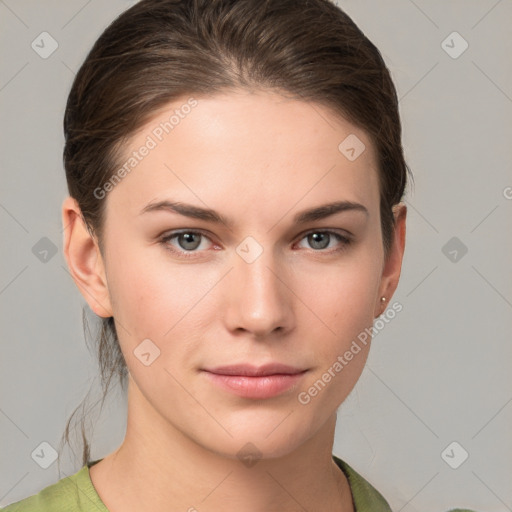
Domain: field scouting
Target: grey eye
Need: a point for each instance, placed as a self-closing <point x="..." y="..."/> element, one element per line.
<point x="319" y="240"/>
<point x="189" y="241"/>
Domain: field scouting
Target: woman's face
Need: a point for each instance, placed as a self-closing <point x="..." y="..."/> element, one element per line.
<point x="267" y="284"/>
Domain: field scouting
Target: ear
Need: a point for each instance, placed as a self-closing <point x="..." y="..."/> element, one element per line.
<point x="393" y="265"/>
<point x="84" y="259"/>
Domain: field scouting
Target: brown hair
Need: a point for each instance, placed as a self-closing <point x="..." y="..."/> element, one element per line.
<point x="161" y="50"/>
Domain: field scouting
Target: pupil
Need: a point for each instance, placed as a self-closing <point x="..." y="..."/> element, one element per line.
<point x="317" y="238"/>
<point x="188" y="239"/>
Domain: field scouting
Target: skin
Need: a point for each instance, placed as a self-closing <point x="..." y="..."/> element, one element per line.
<point x="258" y="159"/>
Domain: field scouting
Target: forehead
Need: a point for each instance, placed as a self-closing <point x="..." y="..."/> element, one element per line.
<point x="259" y="149"/>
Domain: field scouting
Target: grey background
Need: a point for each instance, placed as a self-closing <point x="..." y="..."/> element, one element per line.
<point x="438" y="373"/>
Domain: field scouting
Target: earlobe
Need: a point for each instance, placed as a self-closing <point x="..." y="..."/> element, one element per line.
<point x="393" y="265"/>
<point x="84" y="259"/>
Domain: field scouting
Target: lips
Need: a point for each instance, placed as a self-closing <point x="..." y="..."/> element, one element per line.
<point x="256" y="371"/>
<point x="255" y="382"/>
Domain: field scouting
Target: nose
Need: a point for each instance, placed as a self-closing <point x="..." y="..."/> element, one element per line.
<point x="258" y="297"/>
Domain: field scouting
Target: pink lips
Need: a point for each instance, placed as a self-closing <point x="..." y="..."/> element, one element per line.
<point x="255" y="382"/>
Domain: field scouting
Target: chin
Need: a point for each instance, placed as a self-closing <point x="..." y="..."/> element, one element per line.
<point x="268" y="437"/>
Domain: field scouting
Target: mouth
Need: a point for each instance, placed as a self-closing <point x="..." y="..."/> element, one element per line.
<point x="255" y="382"/>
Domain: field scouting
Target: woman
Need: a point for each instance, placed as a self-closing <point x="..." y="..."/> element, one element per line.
<point x="235" y="173"/>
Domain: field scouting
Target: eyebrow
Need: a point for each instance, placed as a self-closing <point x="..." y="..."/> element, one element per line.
<point x="209" y="215"/>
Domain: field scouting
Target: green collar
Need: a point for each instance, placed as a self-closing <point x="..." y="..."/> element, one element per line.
<point x="365" y="497"/>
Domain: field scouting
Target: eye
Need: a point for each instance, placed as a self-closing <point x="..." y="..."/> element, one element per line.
<point x="187" y="242"/>
<point x="320" y="240"/>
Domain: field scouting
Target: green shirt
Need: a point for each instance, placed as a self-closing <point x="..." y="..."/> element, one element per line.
<point x="76" y="493"/>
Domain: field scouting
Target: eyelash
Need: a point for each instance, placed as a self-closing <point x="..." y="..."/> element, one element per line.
<point x="345" y="242"/>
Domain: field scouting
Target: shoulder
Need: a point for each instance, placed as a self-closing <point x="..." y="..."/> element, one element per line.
<point x="364" y="495"/>
<point x="74" y="493"/>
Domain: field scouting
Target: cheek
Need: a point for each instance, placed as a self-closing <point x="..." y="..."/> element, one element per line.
<point x="140" y="296"/>
<point x="153" y="298"/>
<point x="340" y="303"/>
<point x="340" y="297"/>
<point x="338" y="359"/>
<point x="152" y="304"/>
